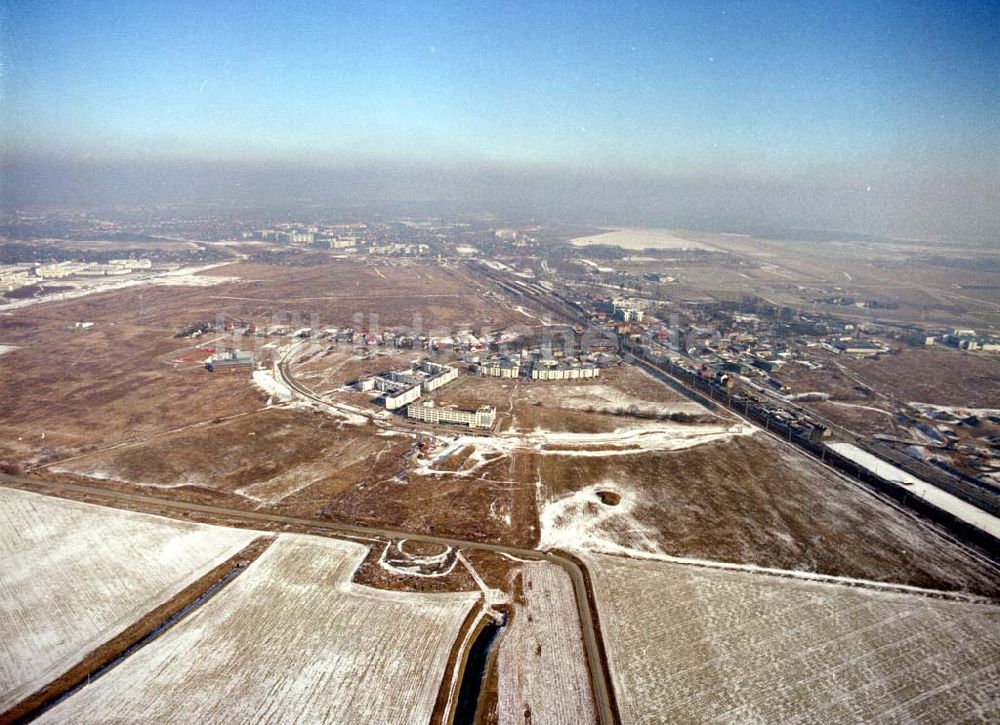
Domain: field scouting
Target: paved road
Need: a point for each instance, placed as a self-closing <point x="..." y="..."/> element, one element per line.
<point x="607" y="714"/>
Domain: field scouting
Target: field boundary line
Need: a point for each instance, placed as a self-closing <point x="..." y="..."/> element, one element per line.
<point x="809" y="576"/>
<point x="171" y="508"/>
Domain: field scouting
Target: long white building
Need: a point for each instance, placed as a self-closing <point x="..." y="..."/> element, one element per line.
<point x="555" y="370"/>
<point x="428" y="412"/>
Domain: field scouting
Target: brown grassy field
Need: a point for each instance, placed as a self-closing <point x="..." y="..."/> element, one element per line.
<point x="111" y="404"/>
<point x="67" y="391"/>
<point x="937" y="375"/>
<point x="752" y="500"/>
<point x="117" y="380"/>
<point x="284" y="460"/>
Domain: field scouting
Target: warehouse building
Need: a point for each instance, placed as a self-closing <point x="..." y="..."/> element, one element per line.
<point x="229" y="360"/>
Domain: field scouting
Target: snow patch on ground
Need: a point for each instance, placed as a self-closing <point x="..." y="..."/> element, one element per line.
<point x="957" y="411"/>
<point x="397" y="560"/>
<point x="638" y="238"/>
<point x="4" y="349"/>
<point x="543" y="654"/>
<point x="296" y="640"/>
<point x="619" y="442"/>
<point x="185" y="277"/>
<point x="627" y="441"/>
<point x="811" y="395"/>
<point x="100" y="474"/>
<point x="858" y="406"/>
<point x="605" y="399"/>
<point x="75" y="574"/>
<point x="580" y="521"/>
<point x="690" y="644"/>
<point x="265" y="380"/>
<point x="528" y="313"/>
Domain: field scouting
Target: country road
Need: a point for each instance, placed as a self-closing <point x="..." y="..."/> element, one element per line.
<point x="593" y="646"/>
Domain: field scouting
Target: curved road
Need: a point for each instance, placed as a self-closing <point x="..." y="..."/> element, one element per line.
<point x="606" y="709"/>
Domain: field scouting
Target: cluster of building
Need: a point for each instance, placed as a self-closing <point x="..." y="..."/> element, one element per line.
<point x="336" y="237"/>
<point x="343" y="237"/>
<point x="562" y="370"/>
<point x="535" y="367"/>
<point x="965" y="339"/>
<point x="500" y="367"/>
<point x="618" y="308"/>
<point x="402" y="387"/>
<point x="859" y="346"/>
<point x="15" y="276"/>
<point x="398" y="249"/>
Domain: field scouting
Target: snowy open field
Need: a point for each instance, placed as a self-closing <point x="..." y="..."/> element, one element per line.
<point x="693" y="644"/>
<point x="74" y="575"/>
<point x="541" y="664"/>
<point x="639" y="238"/>
<point x="601" y="398"/>
<point x="181" y="277"/>
<point x="290" y="640"/>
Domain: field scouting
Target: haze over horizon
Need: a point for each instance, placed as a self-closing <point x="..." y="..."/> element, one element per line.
<point x="877" y="117"/>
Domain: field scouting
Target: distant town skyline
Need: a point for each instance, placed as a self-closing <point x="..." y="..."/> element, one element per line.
<point x="894" y="99"/>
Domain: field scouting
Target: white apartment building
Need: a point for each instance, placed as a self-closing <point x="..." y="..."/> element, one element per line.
<point x="428" y="412"/>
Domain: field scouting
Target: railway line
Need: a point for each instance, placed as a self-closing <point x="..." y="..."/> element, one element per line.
<point x="973" y="540"/>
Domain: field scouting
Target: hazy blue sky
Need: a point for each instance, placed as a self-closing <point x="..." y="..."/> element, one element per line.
<point x="848" y="92"/>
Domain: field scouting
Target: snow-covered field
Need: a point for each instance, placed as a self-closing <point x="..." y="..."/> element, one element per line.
<point x="290" y="640"/>
<point x="183" y="277"/>
<point x="639" y="238"/>
<point x="693" y="644"/>
<point x="605" y="399"/>
<point x="541" y="664"/>
<point x="73" y="575"/>
<point x="931" y="493"/>
<point x="635" y="439"/>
